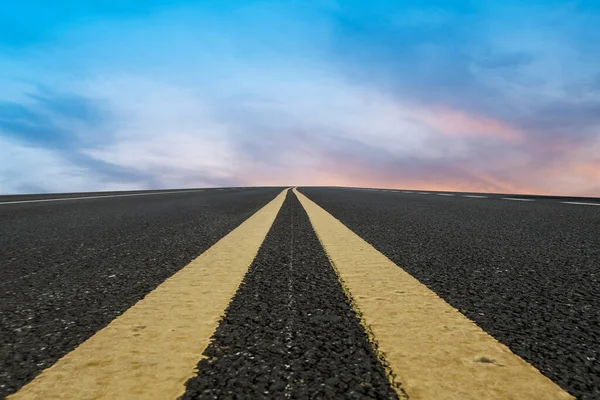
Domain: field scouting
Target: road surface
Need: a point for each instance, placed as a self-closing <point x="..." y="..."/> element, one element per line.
<point x="319" y="293"/>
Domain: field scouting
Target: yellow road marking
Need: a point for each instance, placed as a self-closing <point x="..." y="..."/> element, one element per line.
<point x="151" y="350"/>
<point x="433" y="350"/>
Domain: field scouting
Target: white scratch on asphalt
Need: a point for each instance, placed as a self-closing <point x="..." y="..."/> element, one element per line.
<point x="445" y="194"/>
<point x="288" y="331"/>
<point x="475" y="196"/>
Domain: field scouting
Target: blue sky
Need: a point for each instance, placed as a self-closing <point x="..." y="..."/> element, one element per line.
<point x="499" y="96"/>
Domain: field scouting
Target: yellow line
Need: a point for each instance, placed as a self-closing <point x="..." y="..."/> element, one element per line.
<point x="151" y="350"/>
<point x="434" y="351"/>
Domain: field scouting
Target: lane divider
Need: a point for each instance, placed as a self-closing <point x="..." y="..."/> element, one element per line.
<point x="516" y="199"/>
<point x="502" y="198"/>
<point x="580" y="203"/>
<point x="100" y="197"/>
<point x="152" y="349"/>
<point x="433" y="351"/>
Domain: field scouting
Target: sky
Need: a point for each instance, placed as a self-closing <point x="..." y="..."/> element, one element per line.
<point x="452" y="95"/>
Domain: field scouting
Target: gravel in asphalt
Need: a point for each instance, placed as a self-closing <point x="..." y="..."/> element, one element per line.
<point x="526" y="272"/>
<point x="68" y="268"/>
<point x="290" y="331"/>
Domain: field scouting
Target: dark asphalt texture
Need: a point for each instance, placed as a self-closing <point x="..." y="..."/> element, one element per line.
<point x="68" y="268"/>
<point x="526" y="272"/>
<point x="290" y="331"/>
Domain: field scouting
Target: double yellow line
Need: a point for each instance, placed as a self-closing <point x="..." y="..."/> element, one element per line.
<point x="430" y="350"/>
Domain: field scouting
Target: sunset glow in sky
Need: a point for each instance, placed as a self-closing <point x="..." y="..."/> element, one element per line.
<point x="482" y="95"/>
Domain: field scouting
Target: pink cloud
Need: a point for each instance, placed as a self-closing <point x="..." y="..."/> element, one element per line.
<point x="587" y="170"/>
<point x="456" y="123"/>
<point x="551" y="178"/>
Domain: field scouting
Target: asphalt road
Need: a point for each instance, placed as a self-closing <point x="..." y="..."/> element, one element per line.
<point x="290" y="330"/>
<point x="68" y="267"/>
<point x="526" y="271"/>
